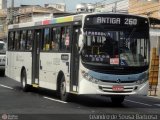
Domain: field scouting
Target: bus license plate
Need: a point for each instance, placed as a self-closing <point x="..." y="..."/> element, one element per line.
<point x="117" y="88"/>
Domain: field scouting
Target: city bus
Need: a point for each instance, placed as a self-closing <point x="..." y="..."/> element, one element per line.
<point x="104" y="54"/>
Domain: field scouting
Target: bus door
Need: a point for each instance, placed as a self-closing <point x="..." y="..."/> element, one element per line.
<point x="35" y="56"/>
<point x="75" y="59"/>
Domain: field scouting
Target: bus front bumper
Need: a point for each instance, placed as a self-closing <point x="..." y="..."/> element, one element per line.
<point x="87" y="87"/>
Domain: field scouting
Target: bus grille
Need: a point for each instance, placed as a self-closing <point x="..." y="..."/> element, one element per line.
<point x="113" y="81"/>
<point x="127" y="89"/>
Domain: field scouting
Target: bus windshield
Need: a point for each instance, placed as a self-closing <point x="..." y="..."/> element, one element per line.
<point x="116" y="47"/>
<point x="2" y="48"/>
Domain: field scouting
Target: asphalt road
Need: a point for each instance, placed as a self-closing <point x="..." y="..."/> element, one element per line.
<point x="42" y="104"/>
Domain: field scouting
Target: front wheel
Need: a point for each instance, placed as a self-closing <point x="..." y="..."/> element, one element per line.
<point x="24" y="85"/>
<point x="117" y="99"/>
<point x="64" y="96"/>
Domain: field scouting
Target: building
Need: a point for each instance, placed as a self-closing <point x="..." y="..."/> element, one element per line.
<point x="3" y="25"/>
<point x="85" y="7"/>
<point x="28" y="13"/>
<point x="3" y="4"/>
<point x="149" y="8"/>
<point x="59" y="6"/>
<point x="3" y="18"/>
<point x="118" y="6"/>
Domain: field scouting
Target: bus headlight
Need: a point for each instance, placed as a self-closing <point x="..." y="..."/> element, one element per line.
<point x="88" y="77"/>
<point x="142" y="81"/>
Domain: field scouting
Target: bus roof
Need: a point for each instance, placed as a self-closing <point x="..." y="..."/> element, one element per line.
<point x="57" y="20"/>
<point x="64" y="19"/>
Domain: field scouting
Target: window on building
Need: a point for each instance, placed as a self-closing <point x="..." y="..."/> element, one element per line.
<point x="59" y="6"/>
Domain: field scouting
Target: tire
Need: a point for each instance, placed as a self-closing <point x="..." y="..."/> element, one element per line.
<point x="117" y="99"/>
<point x="24" y="85"/>
<point x="3" y="73"/>
<point x="64" y="96"/>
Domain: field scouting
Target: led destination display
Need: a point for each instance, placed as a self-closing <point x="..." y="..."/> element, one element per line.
<point x="115" y="20"/>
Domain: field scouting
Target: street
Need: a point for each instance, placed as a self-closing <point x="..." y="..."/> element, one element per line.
<point x="44" y="102"/>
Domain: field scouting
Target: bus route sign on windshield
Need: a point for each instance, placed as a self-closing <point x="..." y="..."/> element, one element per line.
<point x="115" y="20"/>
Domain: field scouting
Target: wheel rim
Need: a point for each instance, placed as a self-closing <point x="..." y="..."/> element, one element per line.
<point x="63" y="88"/>
<point x="23" y="82"/>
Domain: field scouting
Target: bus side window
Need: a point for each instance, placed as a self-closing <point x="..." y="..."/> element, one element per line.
<point x="17" y="40"/>
<point x="55" y="38"/>
<point x="65" y="38"/>
<point x="46" y="39"/>
<point x="29" y="40"/>
<point x="23" y="40"/>
<point x="11" y="41"/>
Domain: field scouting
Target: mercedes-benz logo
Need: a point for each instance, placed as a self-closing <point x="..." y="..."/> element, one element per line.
<point x="118" y="81"/>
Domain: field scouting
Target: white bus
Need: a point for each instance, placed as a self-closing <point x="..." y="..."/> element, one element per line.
<point x="96" y="53"/>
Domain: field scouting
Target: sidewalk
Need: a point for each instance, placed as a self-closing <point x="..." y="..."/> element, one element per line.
<point x="153" y="94"/>
<point x="158" y="92"/>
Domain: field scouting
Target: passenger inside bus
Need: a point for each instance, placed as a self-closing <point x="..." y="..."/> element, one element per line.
<point x="54" y="46"/>
<point x="110" y="46"/>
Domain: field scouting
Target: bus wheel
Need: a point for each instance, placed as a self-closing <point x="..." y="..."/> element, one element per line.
<point x="24" y="85"/>
<point x="63" y="94"/>
<point x="117" y="99"/>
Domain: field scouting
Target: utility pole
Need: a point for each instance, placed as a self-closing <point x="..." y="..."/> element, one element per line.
<point x="115" y="7"/>
<point x="12" y="4"/>
<point x="11" y="12"/>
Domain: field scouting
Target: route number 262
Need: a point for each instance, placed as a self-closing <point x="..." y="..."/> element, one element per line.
<point x="130" y="21"/>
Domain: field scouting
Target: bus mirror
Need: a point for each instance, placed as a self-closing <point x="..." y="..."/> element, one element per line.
<point x="80" y="41"/>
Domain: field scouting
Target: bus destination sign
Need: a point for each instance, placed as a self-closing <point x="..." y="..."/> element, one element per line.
<point x="116" y="20"/>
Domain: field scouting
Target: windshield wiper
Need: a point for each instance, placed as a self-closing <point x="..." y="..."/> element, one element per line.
<point x="131" y="33"/>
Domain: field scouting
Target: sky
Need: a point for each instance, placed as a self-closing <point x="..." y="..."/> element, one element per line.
<point x="70" y="4"/>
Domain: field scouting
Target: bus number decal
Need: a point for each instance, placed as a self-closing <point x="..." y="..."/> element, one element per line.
<point x="130" y="21"/>
<point x="64" y="57"/>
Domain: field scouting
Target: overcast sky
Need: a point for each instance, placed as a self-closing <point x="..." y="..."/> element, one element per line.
<point x="71" y="4"/>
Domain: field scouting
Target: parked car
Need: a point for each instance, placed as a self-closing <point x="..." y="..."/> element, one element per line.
<point x="2" y="57"/>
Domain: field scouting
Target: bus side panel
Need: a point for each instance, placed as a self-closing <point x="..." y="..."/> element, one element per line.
<point x="50" y="65"/>
<point x="47" y="72"/>
<point x="17" y="60"/>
